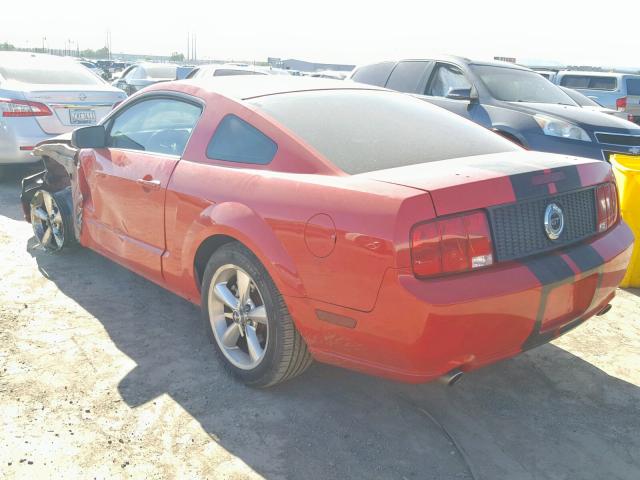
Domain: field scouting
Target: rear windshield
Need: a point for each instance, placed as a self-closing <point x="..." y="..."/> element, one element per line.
<point x="40" y="70"/>
<point x="366" y="130"/>
<point x="633" y="86"/>
<point x="589" y="82"/>
<point x="161" y="71"/>
<point x="225" y="72"/>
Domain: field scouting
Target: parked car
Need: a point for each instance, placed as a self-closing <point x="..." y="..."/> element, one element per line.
<point x="141" y="75"/>
<point x="183" y="70"/>
<point x="311" y="218"/>
<point x="548" y="74"/>
<point x="222" y="70"/>
<point x="618" y="91"/>
<point x="511" y="100"/>
<point x="93" y="68"/>
<point x="42" y="96"/>
<point x="586" y="102"/>
<point x="333" y="74"/>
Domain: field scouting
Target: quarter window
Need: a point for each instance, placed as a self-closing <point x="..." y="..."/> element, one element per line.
<point x="446" y="78"/>
<point x="237" y="141"/>
<point x="407" y="76"/>
<point x="159" y="125"/>
<point x="376" y="74"/>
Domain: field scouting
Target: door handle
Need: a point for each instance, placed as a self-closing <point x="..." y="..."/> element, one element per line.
<point x="147" y="183"/>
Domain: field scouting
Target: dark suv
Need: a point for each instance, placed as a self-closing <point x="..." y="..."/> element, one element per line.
<point x="511" y="100"/>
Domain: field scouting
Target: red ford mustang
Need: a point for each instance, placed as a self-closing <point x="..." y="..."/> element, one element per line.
<point x="357" y="226"/>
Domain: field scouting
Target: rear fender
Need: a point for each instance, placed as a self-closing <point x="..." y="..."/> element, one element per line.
<point x="238" y="221"/>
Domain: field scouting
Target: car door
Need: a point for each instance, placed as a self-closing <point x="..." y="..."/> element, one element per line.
<point x="127" y="181"/>
<point x="444" y="78"/>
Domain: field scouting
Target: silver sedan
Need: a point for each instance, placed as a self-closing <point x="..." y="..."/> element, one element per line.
<point x="42" y="96"/>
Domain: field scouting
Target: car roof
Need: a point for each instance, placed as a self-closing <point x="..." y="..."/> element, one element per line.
<point x="459" y="60"/>
<point x="154" y="64"/>
<point x="19" y="57"/>
<point x="243" y="87"/>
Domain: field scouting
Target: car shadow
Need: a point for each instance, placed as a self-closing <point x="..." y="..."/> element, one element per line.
<point x="11" y="183"/>
<point x="545" y="414"/>
<point x="633" y="291"/>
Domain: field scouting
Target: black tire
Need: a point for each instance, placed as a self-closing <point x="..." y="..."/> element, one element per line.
<point x="286" y="354"/>
<point x="64" y="200"/>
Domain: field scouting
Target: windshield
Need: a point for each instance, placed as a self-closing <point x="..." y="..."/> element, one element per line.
<point x="367" y="130"/>
<point x="47" y="71"/>
<point x="514" y="85"/>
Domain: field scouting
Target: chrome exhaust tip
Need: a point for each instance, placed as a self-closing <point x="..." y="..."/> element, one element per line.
<point x="452" y="377"/>
<point x="604" y="310"/>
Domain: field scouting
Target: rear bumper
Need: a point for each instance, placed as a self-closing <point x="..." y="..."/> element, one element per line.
<point x="421" y="329"/>
<point x="17" y="136"/>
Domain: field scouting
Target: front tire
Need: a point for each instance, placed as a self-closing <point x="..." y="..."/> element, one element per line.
<point x="247" y="320"/>
<point x="51" y="219"/>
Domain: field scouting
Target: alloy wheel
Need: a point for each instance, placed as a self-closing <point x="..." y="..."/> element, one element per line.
<point x="46" y="220"/>
<point x="238" y="317"/>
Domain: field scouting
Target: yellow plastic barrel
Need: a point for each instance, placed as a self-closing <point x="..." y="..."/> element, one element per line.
<point x="627" y="171"/>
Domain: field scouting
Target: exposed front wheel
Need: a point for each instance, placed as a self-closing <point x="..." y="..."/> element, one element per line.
<point x="248" y="321"/>
<point x="51" y="220"/>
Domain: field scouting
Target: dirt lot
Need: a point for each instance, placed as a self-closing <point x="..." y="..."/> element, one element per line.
<point x="103" y="374"/>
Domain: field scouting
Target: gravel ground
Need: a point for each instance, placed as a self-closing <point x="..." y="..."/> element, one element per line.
<point x="105" y="375"/>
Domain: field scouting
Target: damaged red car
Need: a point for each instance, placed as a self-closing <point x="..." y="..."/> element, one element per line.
<point x="324" y="220"/>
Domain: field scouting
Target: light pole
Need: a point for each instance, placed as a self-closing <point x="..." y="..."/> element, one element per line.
<point x="108" y="44"/>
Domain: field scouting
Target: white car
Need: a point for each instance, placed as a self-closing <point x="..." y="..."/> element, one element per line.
<point x="42" y="96"/>
<point x="226" y="69"/>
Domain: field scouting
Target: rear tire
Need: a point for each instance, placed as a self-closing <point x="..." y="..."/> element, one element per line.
<point x="247" y="320"/>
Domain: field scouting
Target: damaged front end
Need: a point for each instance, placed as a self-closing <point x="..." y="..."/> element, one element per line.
<point x="51" y="199"/>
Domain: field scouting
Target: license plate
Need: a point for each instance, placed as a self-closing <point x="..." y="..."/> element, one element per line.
<point x="82" y="117"/>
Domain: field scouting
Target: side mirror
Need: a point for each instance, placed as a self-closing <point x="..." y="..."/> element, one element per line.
<point x="89" y="137"/>
<point x="459" y="94"/>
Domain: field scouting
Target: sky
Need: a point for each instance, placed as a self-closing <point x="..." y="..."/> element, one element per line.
<point x="566" y="31"/>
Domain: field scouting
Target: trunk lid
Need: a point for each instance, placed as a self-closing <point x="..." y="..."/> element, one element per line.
<point x="483" y="181"/>
<point x="73" y="107"/>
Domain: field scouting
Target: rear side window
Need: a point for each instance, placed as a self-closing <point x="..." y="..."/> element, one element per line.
<point x="589" y="82"/>
<point x="376" y="74"/>
<point x="407" y="76"/>
<point x="237" y="141"/>
<point x="633" y="86"/>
